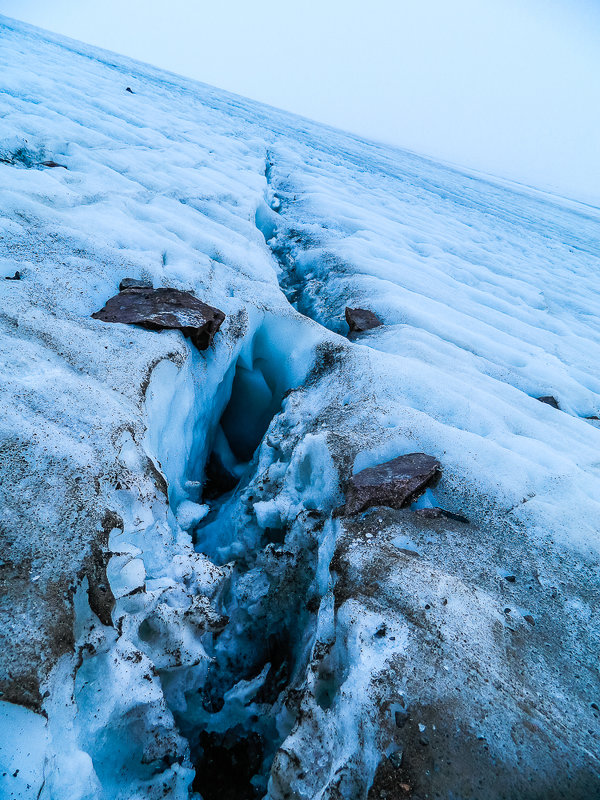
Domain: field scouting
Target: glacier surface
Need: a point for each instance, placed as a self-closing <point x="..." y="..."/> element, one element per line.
<point x="186" y="610"/>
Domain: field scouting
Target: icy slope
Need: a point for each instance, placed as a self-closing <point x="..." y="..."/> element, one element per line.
<point x="184" y="607"/>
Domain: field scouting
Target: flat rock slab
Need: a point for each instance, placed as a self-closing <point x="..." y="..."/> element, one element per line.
<point x="361" y="319"/>
<point x="164" y="309"/>
<point x="395" y="483"/>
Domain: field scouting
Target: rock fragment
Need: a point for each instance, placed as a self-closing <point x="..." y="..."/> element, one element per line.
<point x="164" y="309"/>
<point x="438" y="513"/>
<point x="52" y="164"/>
<point x="134" y="283"/>
<point x="549" y="401"/>
<point x="361" y="319"/>
<point x="395" y="483"/>
<point x="15" y="277"/>
<point x="130" y="90"/>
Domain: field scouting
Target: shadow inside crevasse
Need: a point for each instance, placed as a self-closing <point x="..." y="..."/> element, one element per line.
<point x="253" y="403"/>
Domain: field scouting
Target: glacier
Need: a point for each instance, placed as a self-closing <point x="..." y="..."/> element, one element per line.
<point x="187" y="611"/>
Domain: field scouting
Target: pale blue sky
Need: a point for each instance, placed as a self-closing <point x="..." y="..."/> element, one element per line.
<point x="509" y="87"/>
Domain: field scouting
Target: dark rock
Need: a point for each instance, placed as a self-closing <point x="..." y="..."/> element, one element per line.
<point x="360" y="319"/>
<point x="395" y="484"/>
<point x="15" y="277"/>
<point x="528" y="618"/>
<point x="396" y="758"/>
<point x="593" y="416"/>
<point x="510" y="578"/>
<point x="130" y="90"/>
<point x="100" y="596"/>
<point x="400" y="718"/>
<point x="134" y="283"/>
<point x="437" y="513"/>
<point x="164" y="309"/>
<point x="549" y="401"/>
<point x="52" y="164"/>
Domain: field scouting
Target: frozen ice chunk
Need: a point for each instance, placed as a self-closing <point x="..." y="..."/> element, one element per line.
<point x="190" y="514"/>
<point x="125" y="574"/>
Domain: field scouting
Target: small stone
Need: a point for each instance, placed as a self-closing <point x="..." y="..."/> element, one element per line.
<point x="361" y="319"/>
<point x="130" y="90"/>
<point x="134" y="283"/>
<point x="510" y="578"/>
<point x="423" y="740"/>
<point x="53" y="164"/>
<point x="438" y="513"/>
<point x="15" y="277"/>
<point x="528" y="618"/>
<point x="395" y="483"/>
<point x="549" y="401"/>
<point x="395" y="758"/>
<point x="164" y="309"/>
<point x="429" y="513"/>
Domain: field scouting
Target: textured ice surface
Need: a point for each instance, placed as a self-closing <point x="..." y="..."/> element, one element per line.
<point x="150" y="645"/>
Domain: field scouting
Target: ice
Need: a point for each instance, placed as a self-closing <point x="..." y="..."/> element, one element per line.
<point x="162" y="613"/>
<point x="190" y="514"/>
<point x="23" y="746"/>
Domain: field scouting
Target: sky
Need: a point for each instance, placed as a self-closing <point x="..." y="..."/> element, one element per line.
<point x="506" y="87"/>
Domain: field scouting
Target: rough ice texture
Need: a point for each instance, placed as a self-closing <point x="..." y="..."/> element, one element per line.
<point x="164" y="309"/>
<point x="395" y="483"/>
<point x="142" y="634"/>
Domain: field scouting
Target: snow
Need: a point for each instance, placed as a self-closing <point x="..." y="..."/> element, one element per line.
<point x="23" y="742"/>
<point x="488" y="294"/>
